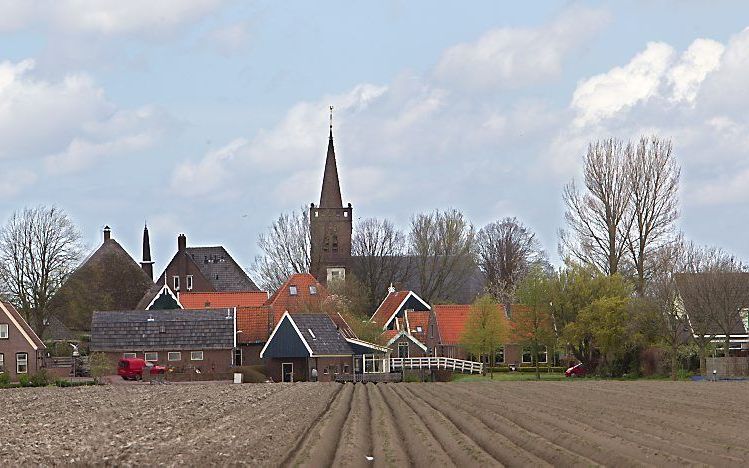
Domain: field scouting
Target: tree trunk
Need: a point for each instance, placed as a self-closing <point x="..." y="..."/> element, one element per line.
<point x="535" y="361"/>
<point x="727" y="355"/>
<point x="674" y="362"/>
<point x="703" y="361"/>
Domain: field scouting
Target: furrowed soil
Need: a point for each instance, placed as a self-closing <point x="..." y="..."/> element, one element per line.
<point x="571" y="423"/>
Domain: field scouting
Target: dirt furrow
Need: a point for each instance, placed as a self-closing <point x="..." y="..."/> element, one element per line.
<point x="318" y="447"/>
<point x="355" y="442"/>
<point x="537" y="444"/>
<point x="423" y="449"/>
<point x="613" y="448"/>
<point x="651" y="431"/>
<point x="463" y="450"/>
<point x="388" y="440"/>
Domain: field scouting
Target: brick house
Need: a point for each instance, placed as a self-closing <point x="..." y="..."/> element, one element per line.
<point x="302" y="342"/>
<point x="189" y="341"/>
<point x="21" y="350"/>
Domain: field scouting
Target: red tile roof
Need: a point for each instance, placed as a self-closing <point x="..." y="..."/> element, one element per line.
<point x="255" y="323"/>
<point x="222" y="300"/>
<point x="418" y="319"/>
<point x="388" y="307"/>
<point x="282" y="300"/>
<point x="452" y="318"/>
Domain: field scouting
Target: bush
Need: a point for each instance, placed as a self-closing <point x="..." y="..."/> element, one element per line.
<point x="4" y="380"/>
<point x="40" y="379"/>
<point x="100" y="365"/>
<point x="252" y="374"/>
<point x="24" y="381"/>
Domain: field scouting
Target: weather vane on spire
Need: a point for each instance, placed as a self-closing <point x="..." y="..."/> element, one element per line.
<point x="331" y="118"/>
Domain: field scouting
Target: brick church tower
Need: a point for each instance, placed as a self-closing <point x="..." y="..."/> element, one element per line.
<point x="330" y="225"/>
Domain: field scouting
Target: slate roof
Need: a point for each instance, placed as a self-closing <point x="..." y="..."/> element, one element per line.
<point x="173" y="330"/>
<point x="220" y="269"/>
<point x="327" y="339"/>
<point x="57" y="331"/>
<point x="215" y="300"/>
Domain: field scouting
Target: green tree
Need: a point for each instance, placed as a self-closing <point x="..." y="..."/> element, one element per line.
<point x="532" y="324"/>
<point x="570" y="291"/>
<point x="100" y="365"/>
<point x="482" y="335"/>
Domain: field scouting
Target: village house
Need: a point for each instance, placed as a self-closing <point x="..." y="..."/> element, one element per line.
<point x="408" y="323"/>
<point x="302" y="342"/>
<point x="187" y="341"/>
<point x="21" y="350"/>
<point x="109" y="279"/>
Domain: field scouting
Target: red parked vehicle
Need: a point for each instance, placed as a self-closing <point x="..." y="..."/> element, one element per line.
<point x="577" y="370"/>
<point x="132" y="368"/>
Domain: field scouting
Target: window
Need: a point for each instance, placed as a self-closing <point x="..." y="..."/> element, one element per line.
<point x="419" y="329"/>
<point x="499" y="356"/>
<point x="402" y="350"/>
<point x="325" y="371"/>
<point x="2" y="363"/>
<point x="542" y="356"/>
<point x="176" y="283"/>
<point x="335" y="274"/>
<point x="189" y="282"/>
<point x="292" y="291"/>
<point x="373" y="364"/>
<point x="129" y="355"/>
<point x="238" y="357"/>
<point x="313" y="290"/>
<point x="3" y="331"/>
<point x="22" y="363"/>
<point x="151" y="357"/>
<point x="196" y="355"/>
<point x="335" y="243"/>
<point x="174" y="356"/>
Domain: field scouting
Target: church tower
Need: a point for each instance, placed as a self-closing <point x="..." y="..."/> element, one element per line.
<point x="147" y="264"/>
<point x="330" y="225"/>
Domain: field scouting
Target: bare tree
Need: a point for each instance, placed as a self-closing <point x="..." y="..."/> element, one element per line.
<point x="654" y="180"/>
<point x="714" y="290"/>
<point x="505" y="250"/>
<point x="599" y="217"/>
<point x="286" y="250"/>
<point x="39" y="248"/>
<point x="379" y="250"/>
<point x="442" y="245"/>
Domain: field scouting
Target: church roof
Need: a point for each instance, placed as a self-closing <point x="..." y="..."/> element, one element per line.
<point x="330" y="197"/>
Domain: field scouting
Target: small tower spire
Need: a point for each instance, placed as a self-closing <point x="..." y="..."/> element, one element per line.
<point x="330" y="197"/>
<point x="147" y="264"/>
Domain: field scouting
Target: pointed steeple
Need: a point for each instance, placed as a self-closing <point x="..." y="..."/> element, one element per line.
<point x="147" y="264"/>
<point x="330" y="197"/>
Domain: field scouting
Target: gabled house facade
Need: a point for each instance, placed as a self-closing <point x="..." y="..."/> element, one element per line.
<point x="21" y="350"/>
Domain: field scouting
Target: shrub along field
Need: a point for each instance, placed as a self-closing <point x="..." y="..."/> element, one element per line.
<point x="583" y="422"/>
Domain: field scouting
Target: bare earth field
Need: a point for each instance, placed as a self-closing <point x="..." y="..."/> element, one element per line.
<point x="463" y="424"/>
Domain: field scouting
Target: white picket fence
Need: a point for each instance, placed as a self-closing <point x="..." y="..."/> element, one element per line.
<point x="456" y="365"/>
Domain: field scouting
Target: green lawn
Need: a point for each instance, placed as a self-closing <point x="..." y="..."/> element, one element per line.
<point x="507" y="376"/>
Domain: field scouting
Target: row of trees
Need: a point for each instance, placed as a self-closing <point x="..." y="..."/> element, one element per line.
<point x="438" y="255"/>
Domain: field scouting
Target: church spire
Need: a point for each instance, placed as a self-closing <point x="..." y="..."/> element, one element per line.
<point x="330" y="197"/>
<point x="147" y="264"/>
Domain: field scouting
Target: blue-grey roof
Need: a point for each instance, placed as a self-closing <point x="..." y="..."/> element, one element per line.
<point x="140" y="330"/>
<point x="327" y="339"/>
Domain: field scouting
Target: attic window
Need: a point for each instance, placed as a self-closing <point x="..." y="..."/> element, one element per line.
<point x="313" y="290"/>
<point x="292" y="290"/>
<point x="312" y="333"/>
<point x="189" y="282"/>
<point x="4" y="331"/>
<point x="419" y="329"/>
<point x="176" y="283"/>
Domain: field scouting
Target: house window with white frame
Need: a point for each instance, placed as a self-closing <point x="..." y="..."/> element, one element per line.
<point x="2" y="363"/>
<point x="292" y="290"/>
<point x="174" y="356"/>
<point x="403" y="350"/>
<point x="196" y="355"/>
<point x="22" y="363"/>
<point x="499" y="356"/>
<point x="543" y="356"/>
<point x="3" y="331"/>
<point x="129" y="355"/>
<point x="175" y="281"/>
<point x="151" y="356"/>
<point x="189" y="283"/>
<point x="313" y="290"/>
<point x="335" y="274"/>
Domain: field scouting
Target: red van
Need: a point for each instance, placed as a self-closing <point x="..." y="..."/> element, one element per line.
<point x="132" y="368"/>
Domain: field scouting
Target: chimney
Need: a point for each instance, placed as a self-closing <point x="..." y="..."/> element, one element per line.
<point x="107" y="233"/>
<point x="181" y="243"/>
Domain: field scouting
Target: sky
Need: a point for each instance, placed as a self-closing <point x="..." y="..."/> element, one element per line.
<point x="210" y="117"/>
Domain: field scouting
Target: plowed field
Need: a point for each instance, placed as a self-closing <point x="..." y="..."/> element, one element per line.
<point x="443" y="424"/>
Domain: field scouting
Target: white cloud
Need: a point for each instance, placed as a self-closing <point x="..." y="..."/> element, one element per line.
<point x="731" y="188"/>
<point x="104" y="17"/>
<point x="230" y="39"/>
<point x="700" y="59"/>
<point x="620" y="88"/>
<point x="513" y="57"/>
